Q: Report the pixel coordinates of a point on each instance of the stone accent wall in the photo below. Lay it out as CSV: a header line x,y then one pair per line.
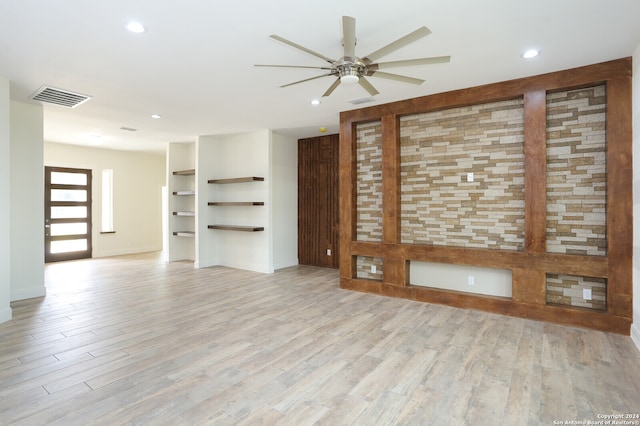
x,y
369,182
438,205
363,267
567,290
576,172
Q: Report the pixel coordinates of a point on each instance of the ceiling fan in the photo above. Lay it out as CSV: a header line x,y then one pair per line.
x,y
351,68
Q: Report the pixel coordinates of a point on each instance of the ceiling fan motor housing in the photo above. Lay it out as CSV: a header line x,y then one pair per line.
x,y
350,69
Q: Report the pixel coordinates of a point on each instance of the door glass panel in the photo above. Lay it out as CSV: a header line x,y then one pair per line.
x,y
64,178
60,212
68,195
68,229
68,245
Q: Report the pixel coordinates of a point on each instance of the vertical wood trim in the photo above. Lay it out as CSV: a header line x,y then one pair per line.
x,y
394,269
390,179
529,286
347,198
535,171
619,196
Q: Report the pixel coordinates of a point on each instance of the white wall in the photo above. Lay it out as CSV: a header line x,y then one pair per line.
x,y
5,155
487,281
232,156
27,202
284,177
635,327
138,179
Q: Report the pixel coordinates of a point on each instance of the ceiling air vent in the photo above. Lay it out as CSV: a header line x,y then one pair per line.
x,y
128,129
59,97
361,100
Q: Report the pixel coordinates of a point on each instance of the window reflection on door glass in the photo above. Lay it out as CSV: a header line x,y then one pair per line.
x,y
64,178
68,229
61,212
68,246
68,195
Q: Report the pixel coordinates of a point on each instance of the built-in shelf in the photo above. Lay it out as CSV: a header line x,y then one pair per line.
x,y
189,172
184,192
184,213
236,203
237,228
237,180
184,233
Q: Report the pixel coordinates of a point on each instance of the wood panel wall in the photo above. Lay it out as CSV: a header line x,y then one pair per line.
x,y
529,267
318,200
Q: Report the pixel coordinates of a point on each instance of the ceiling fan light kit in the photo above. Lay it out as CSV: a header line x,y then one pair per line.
x,y
352,69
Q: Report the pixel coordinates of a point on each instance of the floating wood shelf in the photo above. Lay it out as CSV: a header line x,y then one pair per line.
x,y
237,180
184,213
237,228
189,172
184,233
236,203
184,192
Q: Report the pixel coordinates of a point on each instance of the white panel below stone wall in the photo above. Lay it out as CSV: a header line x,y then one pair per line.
x,y
486,281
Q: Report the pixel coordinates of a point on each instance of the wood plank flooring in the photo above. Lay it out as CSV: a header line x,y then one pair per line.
x,y
135,340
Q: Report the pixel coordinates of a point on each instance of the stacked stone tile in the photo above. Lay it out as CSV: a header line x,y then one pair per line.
x,y
369,195
576,188
438,205
369,182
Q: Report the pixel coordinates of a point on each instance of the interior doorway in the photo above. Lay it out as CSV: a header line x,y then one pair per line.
x,y
67,214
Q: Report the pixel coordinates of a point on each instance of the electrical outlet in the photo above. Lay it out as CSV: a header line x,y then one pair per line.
x,y
470,177
328,252
586,293
373,269
472,280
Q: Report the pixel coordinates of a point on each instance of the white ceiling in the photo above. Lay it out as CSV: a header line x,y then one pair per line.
x,y
194,65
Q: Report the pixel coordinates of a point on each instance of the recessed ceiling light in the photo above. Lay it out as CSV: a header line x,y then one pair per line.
x,y
156,116
135,27
531,53
315,102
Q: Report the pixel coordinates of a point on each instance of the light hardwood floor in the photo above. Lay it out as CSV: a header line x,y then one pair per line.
x,y
135,340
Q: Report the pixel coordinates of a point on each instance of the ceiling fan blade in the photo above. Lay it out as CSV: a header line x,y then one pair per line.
x,y
349,36
304,49
367,86
291,66
396,77
410,62
332,88
401,42
306,79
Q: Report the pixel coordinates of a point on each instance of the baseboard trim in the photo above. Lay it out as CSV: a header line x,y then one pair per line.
x,y
28,293
5,315
635,333
285,264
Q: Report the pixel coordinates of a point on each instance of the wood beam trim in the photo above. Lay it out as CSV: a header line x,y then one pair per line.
x,y
619,196
347,208
390,179
581,265
535,165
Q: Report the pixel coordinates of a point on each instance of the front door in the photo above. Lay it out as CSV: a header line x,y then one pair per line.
x,y
67,214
